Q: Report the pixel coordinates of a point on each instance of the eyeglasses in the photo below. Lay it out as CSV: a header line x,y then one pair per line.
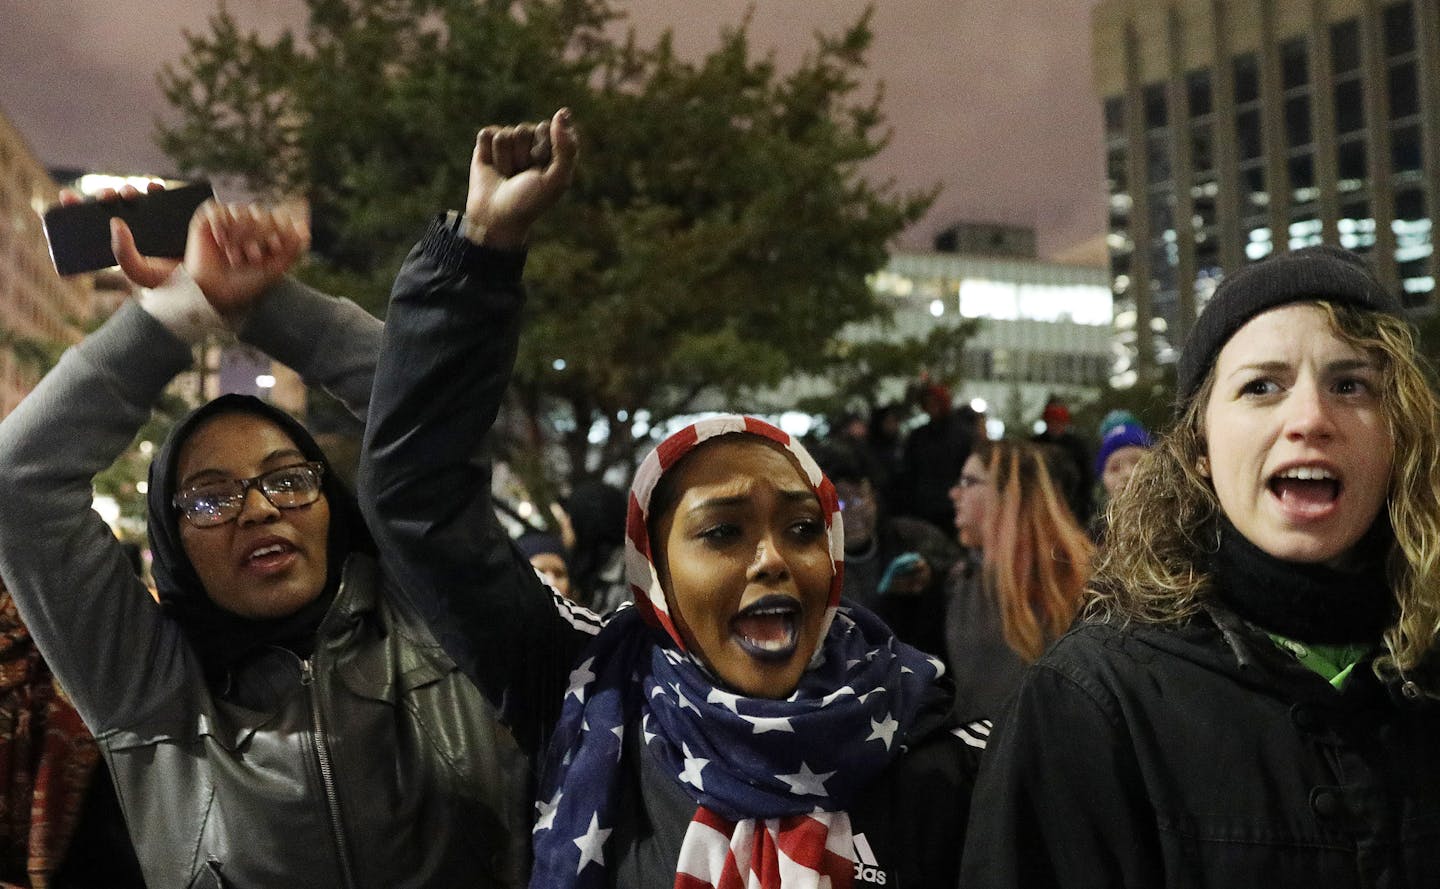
x,y
214,503
969,481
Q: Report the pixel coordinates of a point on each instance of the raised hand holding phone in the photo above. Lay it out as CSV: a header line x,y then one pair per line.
x,y
233,252
79,231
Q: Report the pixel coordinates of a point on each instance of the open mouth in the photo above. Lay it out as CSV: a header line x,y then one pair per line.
x,y
768,629
1306,490
270,556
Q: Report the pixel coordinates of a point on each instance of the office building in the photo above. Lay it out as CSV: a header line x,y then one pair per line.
x,y
40,312
1045,328
1236,128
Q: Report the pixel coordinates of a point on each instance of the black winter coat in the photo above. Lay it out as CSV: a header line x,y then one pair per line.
x,y
1204,756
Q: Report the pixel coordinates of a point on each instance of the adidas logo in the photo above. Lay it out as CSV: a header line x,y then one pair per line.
x,y
867,869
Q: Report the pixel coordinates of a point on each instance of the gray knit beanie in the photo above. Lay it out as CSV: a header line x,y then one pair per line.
x,y
1311,274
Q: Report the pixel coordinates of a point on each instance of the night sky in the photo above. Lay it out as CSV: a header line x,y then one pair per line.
x,y
991,98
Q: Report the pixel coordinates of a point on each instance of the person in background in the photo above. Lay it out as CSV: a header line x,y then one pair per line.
x,y
894,565
1080,479
885,443
546,553
1021,587
593,530
932,457
736,726
62,826
280,718
1122,443
1251,698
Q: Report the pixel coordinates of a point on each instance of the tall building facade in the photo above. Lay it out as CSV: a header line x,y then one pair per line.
x,y
38,309
1236,128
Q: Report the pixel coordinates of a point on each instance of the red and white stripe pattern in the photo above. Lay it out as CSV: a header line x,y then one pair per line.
x,y
800,852
639,562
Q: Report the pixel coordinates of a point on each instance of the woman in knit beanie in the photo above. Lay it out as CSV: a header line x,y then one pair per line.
x,y
1250,695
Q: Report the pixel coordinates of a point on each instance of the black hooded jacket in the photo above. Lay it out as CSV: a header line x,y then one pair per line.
x,y
219,637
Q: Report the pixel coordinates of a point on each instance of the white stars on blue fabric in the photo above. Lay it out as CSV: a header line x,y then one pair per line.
x,y
883,730
546,812
725,699
580,679
728,752
806,782
694,765
683,701
592,844
763,724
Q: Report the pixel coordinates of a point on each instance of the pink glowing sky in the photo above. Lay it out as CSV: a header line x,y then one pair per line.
x,y
991,98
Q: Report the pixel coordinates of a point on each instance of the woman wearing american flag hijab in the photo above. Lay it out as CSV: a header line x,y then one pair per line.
x,y
740,725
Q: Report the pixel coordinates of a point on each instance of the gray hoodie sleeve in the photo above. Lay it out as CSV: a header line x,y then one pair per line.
x,y
332,343
93,620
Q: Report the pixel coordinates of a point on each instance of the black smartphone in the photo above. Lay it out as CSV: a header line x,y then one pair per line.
x,y
79,234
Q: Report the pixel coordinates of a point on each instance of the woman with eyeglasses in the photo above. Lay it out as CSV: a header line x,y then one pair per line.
x,y
280,719
1021,589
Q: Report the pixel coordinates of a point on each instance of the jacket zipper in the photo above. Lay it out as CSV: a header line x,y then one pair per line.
x,y
327,774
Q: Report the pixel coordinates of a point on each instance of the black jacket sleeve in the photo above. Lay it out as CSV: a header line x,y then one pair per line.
x,y
449,347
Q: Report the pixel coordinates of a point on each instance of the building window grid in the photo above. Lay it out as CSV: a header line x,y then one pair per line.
x,y
1413,229
1117,158
1298,97
1256,241
1356,224
1164,245
1204,187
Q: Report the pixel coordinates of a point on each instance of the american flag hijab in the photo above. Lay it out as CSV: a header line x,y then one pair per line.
x,y
771,779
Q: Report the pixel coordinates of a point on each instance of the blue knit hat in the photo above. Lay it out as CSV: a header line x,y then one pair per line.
x,y
1129,434
1117,417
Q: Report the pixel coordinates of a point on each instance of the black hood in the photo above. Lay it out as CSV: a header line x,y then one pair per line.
x,y
220,637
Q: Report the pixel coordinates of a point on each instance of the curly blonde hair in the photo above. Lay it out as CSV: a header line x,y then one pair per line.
x,y
1037,557
1165,524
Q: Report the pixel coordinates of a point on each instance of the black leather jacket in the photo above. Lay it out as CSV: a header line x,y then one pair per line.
x,y
373,763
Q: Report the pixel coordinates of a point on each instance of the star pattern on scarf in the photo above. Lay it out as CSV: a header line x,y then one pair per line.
x,y
835,695
763,724
693,767
546,811
592,844
806,782
725,699
883,730
580,679
682,700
